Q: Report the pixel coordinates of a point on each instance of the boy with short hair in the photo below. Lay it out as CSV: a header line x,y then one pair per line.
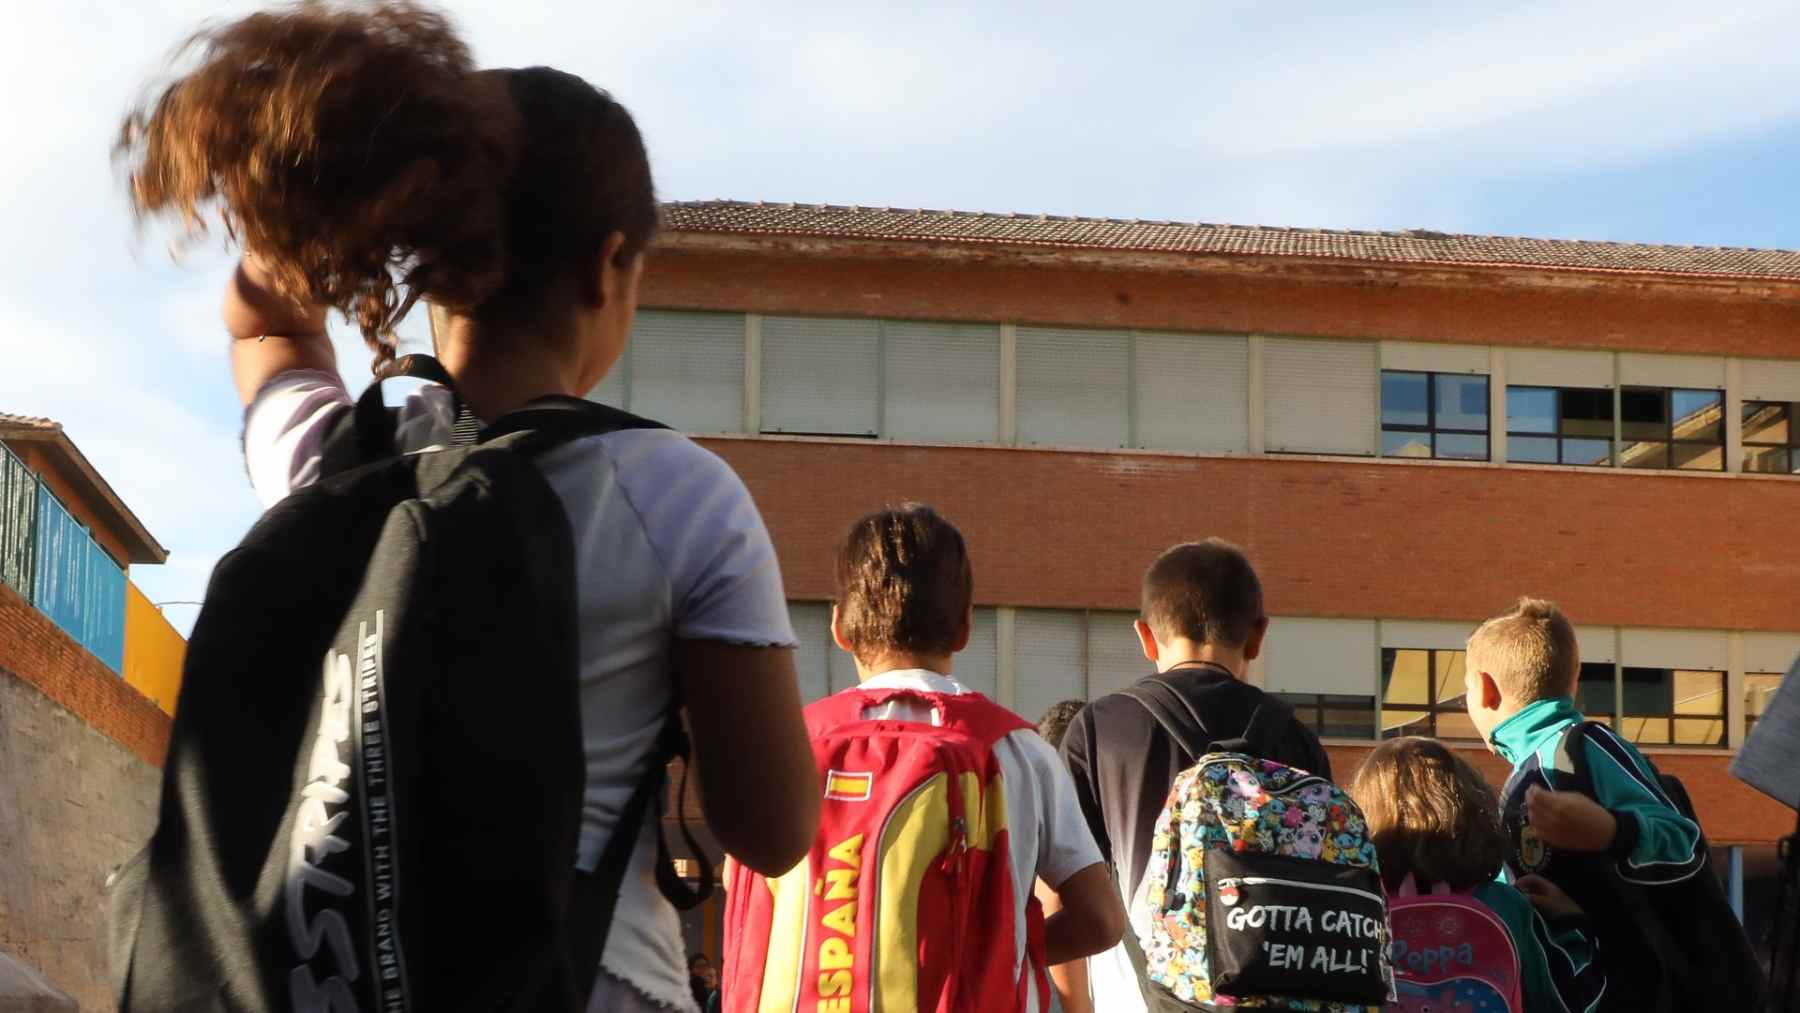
x,y
903,611
1201,623
1609,842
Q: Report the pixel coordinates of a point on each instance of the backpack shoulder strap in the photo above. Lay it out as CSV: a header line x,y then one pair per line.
x,y
596,895
1173,713
554,420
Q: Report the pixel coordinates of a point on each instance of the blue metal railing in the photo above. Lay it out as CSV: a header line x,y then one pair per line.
x,y
51,559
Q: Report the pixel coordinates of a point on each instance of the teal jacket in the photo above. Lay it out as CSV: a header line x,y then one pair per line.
x,y
1558,964
1654,844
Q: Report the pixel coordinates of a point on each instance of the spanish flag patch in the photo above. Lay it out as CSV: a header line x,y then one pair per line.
x,y
849,786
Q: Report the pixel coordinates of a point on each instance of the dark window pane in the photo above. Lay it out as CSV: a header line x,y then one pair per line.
x,y
1766,422
1593,452
1699,415
1530,410
1462,402
1462,447
1644,413
1587,413
1403,444
1594,691
1644,455
1649,690
1531,449
1357,722
1767,460
1698,456
1404,399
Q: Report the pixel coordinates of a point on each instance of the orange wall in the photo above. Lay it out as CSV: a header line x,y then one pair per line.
x,y
1568,309
153,651
1331,537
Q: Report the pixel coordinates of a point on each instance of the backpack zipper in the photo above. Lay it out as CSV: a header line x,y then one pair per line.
x,y
1274,881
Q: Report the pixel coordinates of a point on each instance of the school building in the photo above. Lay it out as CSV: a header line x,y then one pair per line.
x,y
1406,431
88,673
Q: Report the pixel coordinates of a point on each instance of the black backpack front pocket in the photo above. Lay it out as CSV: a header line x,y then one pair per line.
x,y
1294,927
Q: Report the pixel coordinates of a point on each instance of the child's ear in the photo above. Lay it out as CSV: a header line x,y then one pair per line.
x,y
837,635
1146,640
1490,693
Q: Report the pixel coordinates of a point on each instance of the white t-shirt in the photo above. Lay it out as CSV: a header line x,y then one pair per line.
x,y
1048,836
667,545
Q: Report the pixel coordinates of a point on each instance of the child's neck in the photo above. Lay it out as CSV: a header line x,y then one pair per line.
x,y
901,661
1183,651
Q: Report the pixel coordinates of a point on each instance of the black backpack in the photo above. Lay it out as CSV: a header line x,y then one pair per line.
x,y
374,782
1705,959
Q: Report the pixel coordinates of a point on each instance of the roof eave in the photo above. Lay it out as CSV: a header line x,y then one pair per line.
x,y
824,243
140,543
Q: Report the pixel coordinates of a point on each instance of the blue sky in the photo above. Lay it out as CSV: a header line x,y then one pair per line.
x,y
1639,121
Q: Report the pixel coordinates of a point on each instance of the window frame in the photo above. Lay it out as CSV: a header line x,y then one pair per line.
x,y
1673,715
1670,441
1310,709
1789,449
1750,716
1431,428
1556,433
1428,710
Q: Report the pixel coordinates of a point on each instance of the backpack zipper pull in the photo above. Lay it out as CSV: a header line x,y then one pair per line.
x,y
959,845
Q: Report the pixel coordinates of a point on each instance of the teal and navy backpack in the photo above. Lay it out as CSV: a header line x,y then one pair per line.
x,y
1264,892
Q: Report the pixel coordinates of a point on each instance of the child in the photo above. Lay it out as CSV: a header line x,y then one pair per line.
x,y
903,611
365,163
1617,844
1433,817
1201,623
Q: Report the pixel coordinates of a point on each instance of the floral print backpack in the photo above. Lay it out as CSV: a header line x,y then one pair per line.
x,y
1263,891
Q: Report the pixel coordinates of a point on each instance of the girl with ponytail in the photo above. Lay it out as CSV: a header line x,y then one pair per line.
x,y
363,164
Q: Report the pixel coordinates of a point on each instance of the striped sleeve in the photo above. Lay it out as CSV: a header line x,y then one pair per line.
x,y
1655,843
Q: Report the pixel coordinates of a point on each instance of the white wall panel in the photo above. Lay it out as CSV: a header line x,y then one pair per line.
x,y
1320,396
1673,649
1771,379
1639,369
1074,387
821,376
1429,357
687,370
1191,391
1321,656
1558,367
942,381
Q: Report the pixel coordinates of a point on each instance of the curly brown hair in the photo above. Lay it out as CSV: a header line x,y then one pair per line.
x,y
1430,813
904,583
356,149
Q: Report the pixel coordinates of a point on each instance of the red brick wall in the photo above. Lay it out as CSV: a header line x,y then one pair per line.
x,y
35,651
1252,296
1730,812
1355,538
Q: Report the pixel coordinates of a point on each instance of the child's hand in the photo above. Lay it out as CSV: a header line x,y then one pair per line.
x,y
1547,897
1569,819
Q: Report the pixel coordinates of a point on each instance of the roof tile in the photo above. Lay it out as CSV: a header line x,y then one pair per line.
x,y
1413,246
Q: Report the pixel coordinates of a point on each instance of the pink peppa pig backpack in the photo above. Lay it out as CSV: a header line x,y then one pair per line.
x,y
1451,953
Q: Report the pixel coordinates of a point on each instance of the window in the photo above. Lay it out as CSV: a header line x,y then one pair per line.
x,y
1759,690
1334,715
940,382
1320,397
1559,425
821,377
1770,438
1422,693
1072,655
1672,428
1434,415
823,669
682,369
1672,706
1594,692
1326,669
